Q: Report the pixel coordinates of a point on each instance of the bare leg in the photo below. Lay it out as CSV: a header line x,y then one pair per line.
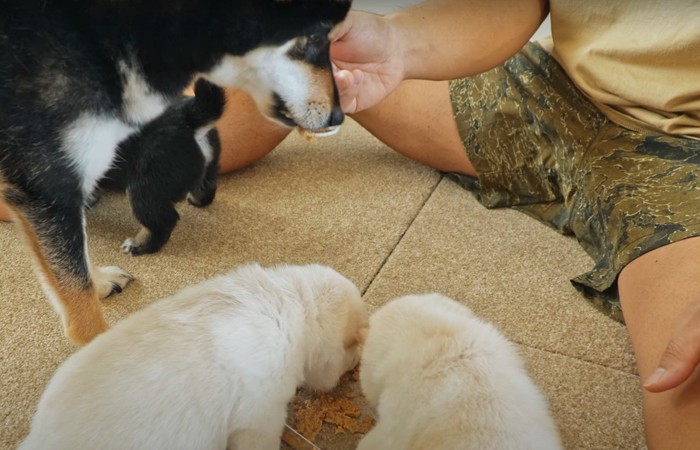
x,y
246,135
655,291
4,212
416,120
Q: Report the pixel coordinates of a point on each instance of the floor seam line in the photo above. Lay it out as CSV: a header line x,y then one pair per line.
x,y
553,352
403,233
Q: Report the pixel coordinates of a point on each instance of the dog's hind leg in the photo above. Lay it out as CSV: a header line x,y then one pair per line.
x,y
56,238
203,194
158,219
207,107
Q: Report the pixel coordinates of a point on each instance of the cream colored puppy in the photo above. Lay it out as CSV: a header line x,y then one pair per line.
x,y
442,379
212,366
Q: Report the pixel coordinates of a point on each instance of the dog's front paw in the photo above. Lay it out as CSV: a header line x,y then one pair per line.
x,y
110,280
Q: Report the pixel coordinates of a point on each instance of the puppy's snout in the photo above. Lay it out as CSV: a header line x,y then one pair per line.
x,y
337,117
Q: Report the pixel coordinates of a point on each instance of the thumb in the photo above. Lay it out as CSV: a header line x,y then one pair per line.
x,y
677,363
348,83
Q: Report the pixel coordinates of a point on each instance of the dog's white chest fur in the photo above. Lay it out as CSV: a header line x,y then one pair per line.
x,y
91,141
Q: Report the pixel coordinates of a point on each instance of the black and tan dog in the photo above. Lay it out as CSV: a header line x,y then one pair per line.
x,y
78,77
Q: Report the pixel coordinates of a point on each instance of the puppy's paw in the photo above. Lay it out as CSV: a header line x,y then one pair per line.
x,y
110,280
201,197
146,242
130,247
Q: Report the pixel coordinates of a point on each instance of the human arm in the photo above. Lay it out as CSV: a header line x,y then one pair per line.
x,y
435,40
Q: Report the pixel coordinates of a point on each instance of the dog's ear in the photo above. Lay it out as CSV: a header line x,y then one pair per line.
x,y
362,335
358,338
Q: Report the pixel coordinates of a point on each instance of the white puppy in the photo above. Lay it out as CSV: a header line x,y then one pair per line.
x,y
441,379
214,365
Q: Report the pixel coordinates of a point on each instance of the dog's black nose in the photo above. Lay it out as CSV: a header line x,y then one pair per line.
x,y
337,117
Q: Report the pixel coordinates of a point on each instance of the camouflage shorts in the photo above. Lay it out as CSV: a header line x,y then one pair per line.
x,y
541,147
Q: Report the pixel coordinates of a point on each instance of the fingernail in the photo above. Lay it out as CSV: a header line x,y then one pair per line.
x,y
655,377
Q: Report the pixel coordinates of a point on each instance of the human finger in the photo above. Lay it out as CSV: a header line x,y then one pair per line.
x,y
348,83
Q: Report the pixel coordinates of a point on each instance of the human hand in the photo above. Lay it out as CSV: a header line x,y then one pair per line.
x,y
682,354
367,55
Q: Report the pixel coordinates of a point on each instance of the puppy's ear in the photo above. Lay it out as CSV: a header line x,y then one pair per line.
x,y
362,334
356,339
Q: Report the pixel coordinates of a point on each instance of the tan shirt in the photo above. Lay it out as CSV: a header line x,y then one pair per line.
x,y
637,60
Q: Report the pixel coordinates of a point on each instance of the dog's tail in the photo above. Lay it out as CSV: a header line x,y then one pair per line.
x,y
208,104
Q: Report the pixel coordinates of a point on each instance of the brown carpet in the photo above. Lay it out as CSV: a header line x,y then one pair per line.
x,y
390,225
